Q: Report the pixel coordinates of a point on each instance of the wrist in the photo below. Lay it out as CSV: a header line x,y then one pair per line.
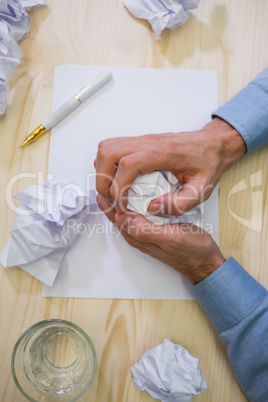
x,y
215,261
231,144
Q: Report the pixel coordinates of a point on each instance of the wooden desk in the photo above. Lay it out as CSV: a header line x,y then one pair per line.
x,y
228,36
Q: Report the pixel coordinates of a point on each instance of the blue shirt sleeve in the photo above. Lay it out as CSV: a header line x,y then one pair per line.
x,y
247,112
237,305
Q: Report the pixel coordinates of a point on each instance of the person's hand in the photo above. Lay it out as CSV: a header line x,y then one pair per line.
x,y
197,159
185,247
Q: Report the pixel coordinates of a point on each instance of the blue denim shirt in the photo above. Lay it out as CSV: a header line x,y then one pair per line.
x,y
237,304
247,112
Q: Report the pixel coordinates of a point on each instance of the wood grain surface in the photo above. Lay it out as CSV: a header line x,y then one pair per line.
x,y
227,36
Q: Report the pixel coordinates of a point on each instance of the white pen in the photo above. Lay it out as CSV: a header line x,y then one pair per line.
x,y
87,90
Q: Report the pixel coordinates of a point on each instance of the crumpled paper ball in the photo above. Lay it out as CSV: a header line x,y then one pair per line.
x,y
43,229
168,372
161,14
149,186
14,27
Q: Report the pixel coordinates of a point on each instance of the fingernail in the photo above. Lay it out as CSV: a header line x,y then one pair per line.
x,y
157,208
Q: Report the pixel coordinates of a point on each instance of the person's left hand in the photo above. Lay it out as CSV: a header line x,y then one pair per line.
x,y
187,248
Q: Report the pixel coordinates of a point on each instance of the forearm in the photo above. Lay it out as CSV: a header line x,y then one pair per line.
x,y
237,305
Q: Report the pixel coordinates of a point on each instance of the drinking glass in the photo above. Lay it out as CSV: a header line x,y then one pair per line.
x,y
53,360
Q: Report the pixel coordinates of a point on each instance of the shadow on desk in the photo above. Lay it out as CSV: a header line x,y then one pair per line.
x,y
194,34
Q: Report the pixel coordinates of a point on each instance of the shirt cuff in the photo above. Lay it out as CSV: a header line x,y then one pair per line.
x,y
247,112
229,294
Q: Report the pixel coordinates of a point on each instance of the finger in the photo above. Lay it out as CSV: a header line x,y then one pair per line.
x,y
112,156
167,237
148,138
194,193
107,161
131,166
110,213
112,141
140,228
106,207
146,248
149,248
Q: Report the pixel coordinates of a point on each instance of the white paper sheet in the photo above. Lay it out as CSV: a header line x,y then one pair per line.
x,y
137,101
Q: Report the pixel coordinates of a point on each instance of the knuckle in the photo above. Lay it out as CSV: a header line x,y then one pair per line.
x,y
103,153
102,144
126,163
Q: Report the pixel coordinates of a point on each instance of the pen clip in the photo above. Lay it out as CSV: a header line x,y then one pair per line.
x,y
88,83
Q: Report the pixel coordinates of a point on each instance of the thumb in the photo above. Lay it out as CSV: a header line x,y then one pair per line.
x,y
179,203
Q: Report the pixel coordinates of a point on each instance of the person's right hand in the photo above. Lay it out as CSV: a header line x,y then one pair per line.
x,y
197,159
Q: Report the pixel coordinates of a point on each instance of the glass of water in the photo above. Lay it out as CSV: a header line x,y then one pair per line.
x,y
53,360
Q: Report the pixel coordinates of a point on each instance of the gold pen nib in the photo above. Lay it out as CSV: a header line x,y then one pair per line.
x,y
26,141
34,135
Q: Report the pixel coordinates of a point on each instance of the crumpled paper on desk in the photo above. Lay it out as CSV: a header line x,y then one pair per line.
x,y
161,14
7,65
43,227
41,233
168,372
149,186
14,27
